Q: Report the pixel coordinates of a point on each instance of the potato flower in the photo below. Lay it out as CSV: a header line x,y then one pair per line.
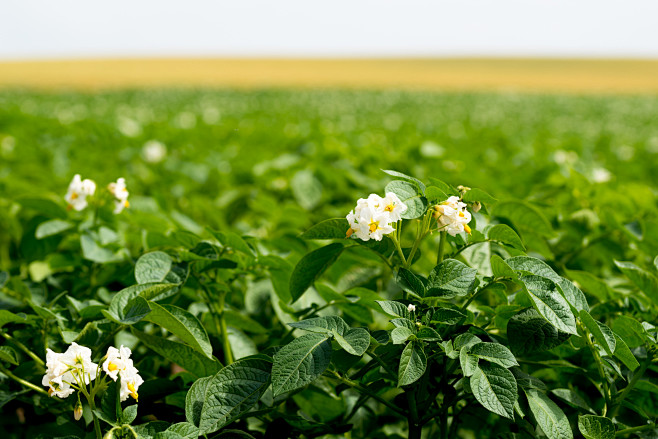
x,y
78,191
73,367
118,363
453,216
119,191
372,217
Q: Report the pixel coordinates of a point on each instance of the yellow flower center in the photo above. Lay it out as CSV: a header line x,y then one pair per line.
x,y
74,195
126,204
133,392
390,208
374,225
468,229
111,367
461,214
349,232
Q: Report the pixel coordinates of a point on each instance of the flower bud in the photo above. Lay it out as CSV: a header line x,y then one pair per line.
x,y
411,308
77,411
476,206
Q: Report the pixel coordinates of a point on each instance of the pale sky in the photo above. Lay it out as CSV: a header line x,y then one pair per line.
x,y
33,29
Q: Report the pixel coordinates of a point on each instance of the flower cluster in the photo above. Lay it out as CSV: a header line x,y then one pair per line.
x,y
120,193
118,363
73,370
453,216
78,191
372,217
69,371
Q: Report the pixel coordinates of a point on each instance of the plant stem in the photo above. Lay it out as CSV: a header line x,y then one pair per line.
x,y
23,382
442,246
97,426
415,428
24,348
226,343
599,365
636,377
398,248
358,386
634,429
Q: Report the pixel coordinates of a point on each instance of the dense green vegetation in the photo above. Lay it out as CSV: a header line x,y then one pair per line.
x,y
223,184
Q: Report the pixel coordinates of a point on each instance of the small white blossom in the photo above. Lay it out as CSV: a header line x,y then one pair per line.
x,y
118,363
78,191
71,367
372,217
411,308
154,151
453,216
120,192
601,175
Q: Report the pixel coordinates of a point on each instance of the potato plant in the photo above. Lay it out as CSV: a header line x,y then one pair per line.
x,y
422,313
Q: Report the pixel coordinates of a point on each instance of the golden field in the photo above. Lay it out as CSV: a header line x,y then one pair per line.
x,y
523,75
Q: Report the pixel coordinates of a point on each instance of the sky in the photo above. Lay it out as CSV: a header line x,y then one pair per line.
x,y
52,29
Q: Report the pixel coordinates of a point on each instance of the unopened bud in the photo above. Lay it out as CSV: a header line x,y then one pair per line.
x,y
463,189
411,307
437,207
77,411
476,206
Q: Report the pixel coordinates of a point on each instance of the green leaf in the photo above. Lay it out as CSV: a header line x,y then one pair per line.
x,y
179,353
476,194
52,227
410,283
602,334
401,334
447,316
9,355
466,339
233,392
435,194
405,323
92,251
195,399
306,189
630,330
573,399
505,235
152,267
45,206
311,267
495,388
185,430
525,217
121,432
495,353
572,293
235,242
596,427
354,341
534,266
444,187
393,308
549,416
411,195
10,317
624,354
413,363
119,310
183,325
528,332
590,283
500,268
548,301
428,334
468,363
645,281
134,311
129,414
300,362
334,228
397,174
451,278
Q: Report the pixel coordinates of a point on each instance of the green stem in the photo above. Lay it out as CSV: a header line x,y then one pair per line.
x,y
599,365
226,343
634,429
636,377
415,427
23,382
365,390
24,348
442,246
97,426
398,248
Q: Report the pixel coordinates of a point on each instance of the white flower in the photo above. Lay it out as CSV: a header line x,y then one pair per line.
x,y
78,192
372,217
411,307
72,367
120,192
154,151
118,363
130,382
601,175
453,216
